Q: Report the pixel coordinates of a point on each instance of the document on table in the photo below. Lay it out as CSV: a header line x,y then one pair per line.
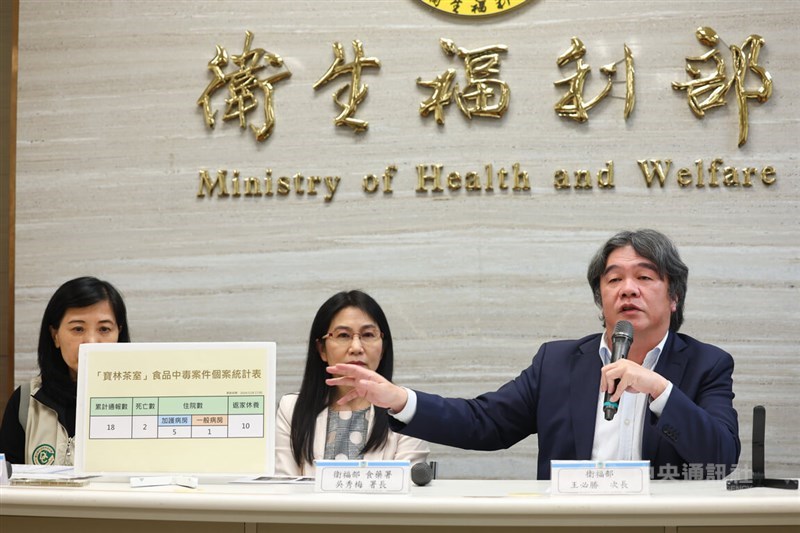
x,y
47,475
276,480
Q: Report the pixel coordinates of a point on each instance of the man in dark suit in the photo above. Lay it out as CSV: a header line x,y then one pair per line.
x,y
675,393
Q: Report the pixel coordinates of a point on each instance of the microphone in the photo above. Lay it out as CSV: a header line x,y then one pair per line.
x,y
423,473
622,338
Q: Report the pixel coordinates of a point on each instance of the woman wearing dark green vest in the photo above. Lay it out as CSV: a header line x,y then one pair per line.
x,y
39,423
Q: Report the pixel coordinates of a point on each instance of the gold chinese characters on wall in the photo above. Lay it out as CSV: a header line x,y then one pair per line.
x,y
484,95
251,76
241,85
572,105
708,91
357,92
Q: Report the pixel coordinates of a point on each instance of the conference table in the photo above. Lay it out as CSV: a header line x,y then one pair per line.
x,y
443,506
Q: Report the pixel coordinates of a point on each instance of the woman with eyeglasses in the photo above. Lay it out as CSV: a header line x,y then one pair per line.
x,y
39,423
349,328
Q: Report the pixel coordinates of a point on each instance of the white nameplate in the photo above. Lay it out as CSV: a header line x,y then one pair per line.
x,y
598,477
375,477
160,481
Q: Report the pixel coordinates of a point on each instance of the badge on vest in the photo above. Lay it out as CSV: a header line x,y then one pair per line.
x,y
44,454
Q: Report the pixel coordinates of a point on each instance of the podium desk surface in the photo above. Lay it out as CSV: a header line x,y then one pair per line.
x,y
671,504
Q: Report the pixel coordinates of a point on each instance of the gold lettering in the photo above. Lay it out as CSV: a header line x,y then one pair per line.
x,y
747,173
284,185
654,167
521,181
298,184
423,178
684,177
331,183
235,183
766,173
605,176
472,181
268,183
206,185
370,184
489,178
700,176
731,177
582,179
252,186
501,178
388,174
454,181
561,179
712,170
312,185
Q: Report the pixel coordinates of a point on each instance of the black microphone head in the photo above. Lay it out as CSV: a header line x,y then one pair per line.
x,y
421,474
623,329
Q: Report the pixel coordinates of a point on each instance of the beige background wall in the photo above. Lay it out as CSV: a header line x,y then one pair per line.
x,y
110,144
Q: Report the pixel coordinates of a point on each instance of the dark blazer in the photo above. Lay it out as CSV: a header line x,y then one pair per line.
x,y
556,398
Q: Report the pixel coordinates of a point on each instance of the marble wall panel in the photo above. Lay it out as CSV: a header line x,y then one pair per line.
x,y
111,143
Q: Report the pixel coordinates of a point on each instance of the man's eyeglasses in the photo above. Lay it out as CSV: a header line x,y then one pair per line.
x,y
344,337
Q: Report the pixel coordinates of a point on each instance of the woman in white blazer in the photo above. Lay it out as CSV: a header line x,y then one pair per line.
x,y
349,328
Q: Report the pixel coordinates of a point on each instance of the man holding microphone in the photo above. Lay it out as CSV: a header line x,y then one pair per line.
x,y
670,401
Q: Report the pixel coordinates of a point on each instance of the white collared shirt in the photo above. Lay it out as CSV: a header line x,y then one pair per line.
x,y
621,438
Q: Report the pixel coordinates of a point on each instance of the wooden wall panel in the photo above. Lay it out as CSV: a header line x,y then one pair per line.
x,y
8,123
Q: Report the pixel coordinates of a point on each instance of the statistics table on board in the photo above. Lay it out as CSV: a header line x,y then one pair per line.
x,y
176,417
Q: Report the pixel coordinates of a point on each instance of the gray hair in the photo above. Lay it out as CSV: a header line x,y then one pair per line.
x,y
655,247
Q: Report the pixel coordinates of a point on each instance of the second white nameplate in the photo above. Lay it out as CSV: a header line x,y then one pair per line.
x,y
598,477
375,477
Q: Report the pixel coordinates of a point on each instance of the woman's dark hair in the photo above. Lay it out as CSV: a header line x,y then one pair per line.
x,y
655,247
315,395
78,292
